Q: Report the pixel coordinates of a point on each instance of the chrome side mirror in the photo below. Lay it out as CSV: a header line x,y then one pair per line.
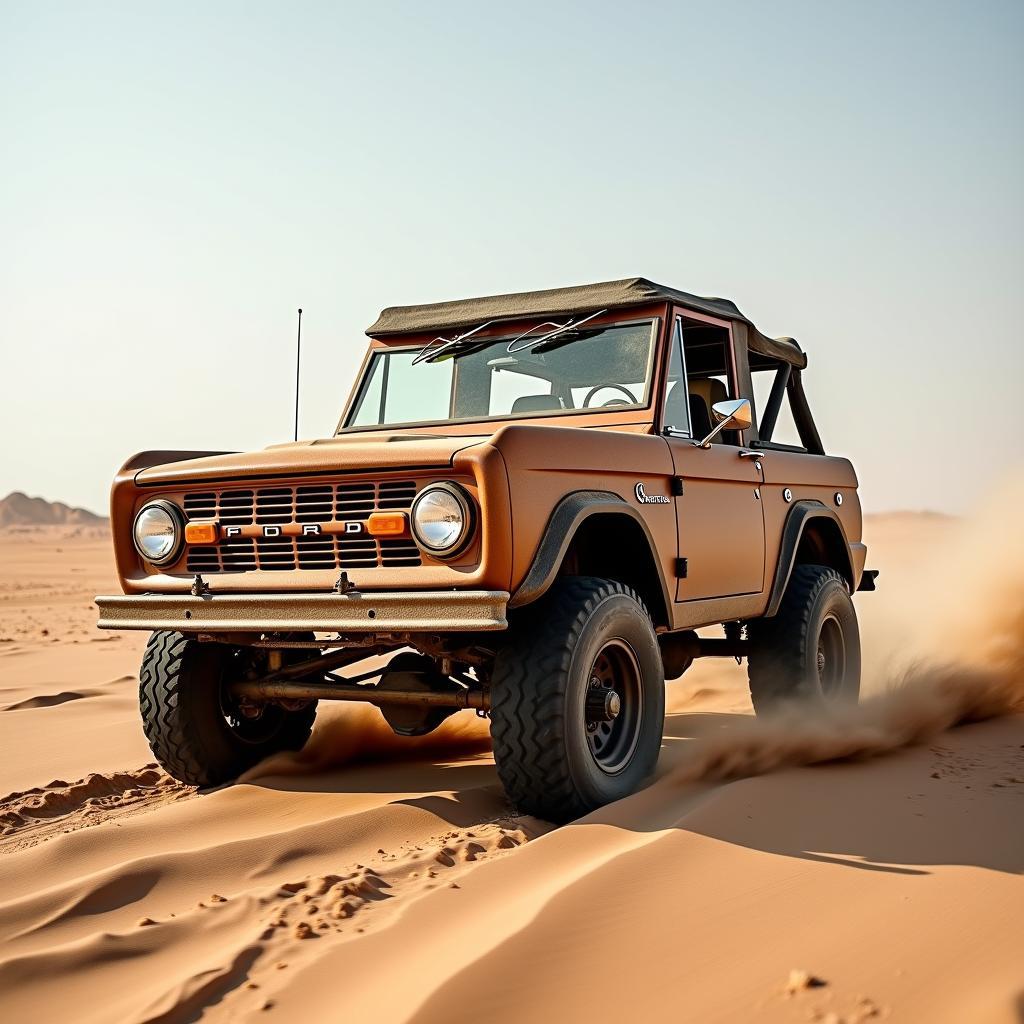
x,y
732,415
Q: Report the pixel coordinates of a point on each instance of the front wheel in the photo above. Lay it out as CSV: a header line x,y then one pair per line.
x,y
809,652
578,700
197,732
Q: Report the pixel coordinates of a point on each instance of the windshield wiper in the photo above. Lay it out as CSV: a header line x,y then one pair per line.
x,y
561,335
433,351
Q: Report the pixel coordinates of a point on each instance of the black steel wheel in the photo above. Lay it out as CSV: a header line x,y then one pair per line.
x,y
613,708
577,700
198,732
830,657
810,651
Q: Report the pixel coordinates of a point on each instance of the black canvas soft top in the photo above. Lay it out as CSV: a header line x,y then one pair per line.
x,y
578,299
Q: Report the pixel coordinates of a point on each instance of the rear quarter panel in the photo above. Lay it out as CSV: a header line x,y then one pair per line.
x,y
814,478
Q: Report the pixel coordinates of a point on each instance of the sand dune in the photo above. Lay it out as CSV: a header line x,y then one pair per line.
x,y
876,853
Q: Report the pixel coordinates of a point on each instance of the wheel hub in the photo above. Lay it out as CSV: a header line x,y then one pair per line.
x,y
250,709
821,662
602,705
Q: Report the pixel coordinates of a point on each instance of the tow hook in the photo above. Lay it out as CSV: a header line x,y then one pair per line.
x,y
344,585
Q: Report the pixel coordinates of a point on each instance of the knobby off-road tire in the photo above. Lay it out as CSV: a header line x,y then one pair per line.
x,y
810,651
188,720
558,754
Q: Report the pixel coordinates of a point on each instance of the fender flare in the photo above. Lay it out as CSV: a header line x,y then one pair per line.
x,y
566,519
803,513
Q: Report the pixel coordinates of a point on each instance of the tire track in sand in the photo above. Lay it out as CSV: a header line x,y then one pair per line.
x,y
32,816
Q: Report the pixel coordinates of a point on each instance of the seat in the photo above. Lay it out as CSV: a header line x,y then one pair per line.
x,y
700,418
536,403
707,392
710,390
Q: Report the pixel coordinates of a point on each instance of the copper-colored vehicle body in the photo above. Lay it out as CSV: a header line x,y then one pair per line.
x,y
315,537
728,522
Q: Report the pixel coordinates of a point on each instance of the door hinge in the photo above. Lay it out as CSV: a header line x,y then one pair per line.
x,y
677,486
681,568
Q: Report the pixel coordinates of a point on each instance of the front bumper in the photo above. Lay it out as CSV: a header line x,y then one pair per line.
x,y
413,611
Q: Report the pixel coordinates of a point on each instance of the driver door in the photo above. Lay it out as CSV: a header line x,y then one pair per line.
x,y
719,522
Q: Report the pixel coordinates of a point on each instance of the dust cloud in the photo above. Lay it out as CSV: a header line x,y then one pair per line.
x,y
348,734
967,643
926,702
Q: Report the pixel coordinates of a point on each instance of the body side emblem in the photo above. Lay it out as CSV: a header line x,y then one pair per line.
x,y
649,499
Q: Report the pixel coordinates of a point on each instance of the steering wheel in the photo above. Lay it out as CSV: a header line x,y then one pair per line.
x,y
629,400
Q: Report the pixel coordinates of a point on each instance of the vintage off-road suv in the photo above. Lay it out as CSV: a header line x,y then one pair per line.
x,y
531,504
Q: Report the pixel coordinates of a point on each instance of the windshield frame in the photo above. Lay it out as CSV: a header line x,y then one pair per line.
x,y
507,332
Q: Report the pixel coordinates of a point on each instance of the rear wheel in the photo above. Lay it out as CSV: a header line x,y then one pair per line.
x,y
578,700
197,731
809,651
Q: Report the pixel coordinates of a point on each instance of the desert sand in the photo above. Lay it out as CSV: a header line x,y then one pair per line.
x,y
373,878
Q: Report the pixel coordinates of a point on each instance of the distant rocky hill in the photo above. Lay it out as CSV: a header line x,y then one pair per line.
x,y
19,509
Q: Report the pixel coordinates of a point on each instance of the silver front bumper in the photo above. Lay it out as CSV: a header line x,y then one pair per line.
x,y
414,611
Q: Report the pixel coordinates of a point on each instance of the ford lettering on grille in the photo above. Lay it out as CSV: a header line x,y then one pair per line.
x,y
302,525
295,529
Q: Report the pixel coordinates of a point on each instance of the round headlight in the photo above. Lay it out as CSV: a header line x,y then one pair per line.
x,y
158,532
442,518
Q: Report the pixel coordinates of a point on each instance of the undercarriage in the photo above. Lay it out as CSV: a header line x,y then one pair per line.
x,y
425,680
428,677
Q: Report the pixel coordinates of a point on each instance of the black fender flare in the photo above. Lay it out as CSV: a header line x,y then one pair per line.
x,y
801,514
565,520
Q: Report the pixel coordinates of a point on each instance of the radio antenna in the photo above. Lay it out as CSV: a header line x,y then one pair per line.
x,y
298,363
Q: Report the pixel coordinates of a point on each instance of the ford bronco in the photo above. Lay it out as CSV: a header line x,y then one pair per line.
x,y
531,504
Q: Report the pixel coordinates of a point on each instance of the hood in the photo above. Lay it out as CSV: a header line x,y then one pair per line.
x,y
334,454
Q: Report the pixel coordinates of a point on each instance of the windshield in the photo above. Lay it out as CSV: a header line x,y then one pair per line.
x,y
603,368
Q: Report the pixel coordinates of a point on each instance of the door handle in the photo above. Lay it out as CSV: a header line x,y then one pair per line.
x,y
751,455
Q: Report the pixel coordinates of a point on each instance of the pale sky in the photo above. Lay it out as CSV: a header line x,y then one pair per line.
x,y
175,179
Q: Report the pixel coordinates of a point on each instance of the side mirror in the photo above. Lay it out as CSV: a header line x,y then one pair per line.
x,y
732,415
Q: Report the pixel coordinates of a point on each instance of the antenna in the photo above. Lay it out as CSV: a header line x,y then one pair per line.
x,y
298,363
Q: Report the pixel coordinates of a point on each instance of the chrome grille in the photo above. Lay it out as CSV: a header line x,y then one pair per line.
x,y
305,503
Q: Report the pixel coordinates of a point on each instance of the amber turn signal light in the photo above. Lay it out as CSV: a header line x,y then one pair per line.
x,y
201,533
386,524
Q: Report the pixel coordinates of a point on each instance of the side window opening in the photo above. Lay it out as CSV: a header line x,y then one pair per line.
x,y
772,407
708,363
